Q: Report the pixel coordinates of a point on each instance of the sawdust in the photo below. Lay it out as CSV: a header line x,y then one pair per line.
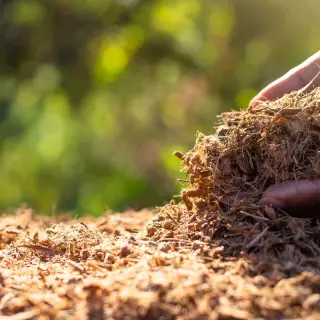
x,y
219,254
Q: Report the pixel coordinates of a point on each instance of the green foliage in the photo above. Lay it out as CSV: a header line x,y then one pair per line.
x,y
96,95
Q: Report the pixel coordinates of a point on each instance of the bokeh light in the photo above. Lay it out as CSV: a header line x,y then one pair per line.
x,y
96,95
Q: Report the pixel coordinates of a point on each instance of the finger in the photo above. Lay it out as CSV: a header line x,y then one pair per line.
x,y
293,193
294,80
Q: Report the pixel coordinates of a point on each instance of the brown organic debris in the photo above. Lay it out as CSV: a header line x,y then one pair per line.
x,y
252,150
219,254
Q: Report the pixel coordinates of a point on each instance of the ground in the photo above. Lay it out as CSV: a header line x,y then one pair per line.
x,y
106,268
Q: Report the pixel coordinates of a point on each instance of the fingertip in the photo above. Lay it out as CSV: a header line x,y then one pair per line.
x,y
256,101
271,201
253,103
275,195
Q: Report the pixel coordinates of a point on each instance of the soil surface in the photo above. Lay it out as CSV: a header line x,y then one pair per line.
x,y
107,269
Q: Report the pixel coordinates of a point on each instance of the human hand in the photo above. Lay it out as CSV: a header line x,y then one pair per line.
x,y
307,74
300,193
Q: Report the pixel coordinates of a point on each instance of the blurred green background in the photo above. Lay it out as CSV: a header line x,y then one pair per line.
x,y
96,95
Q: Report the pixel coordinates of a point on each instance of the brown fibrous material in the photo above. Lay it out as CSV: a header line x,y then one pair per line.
x,y
219,254
229,171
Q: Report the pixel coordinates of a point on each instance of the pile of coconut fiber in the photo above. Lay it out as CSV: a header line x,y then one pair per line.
x,y
274,143
228,172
